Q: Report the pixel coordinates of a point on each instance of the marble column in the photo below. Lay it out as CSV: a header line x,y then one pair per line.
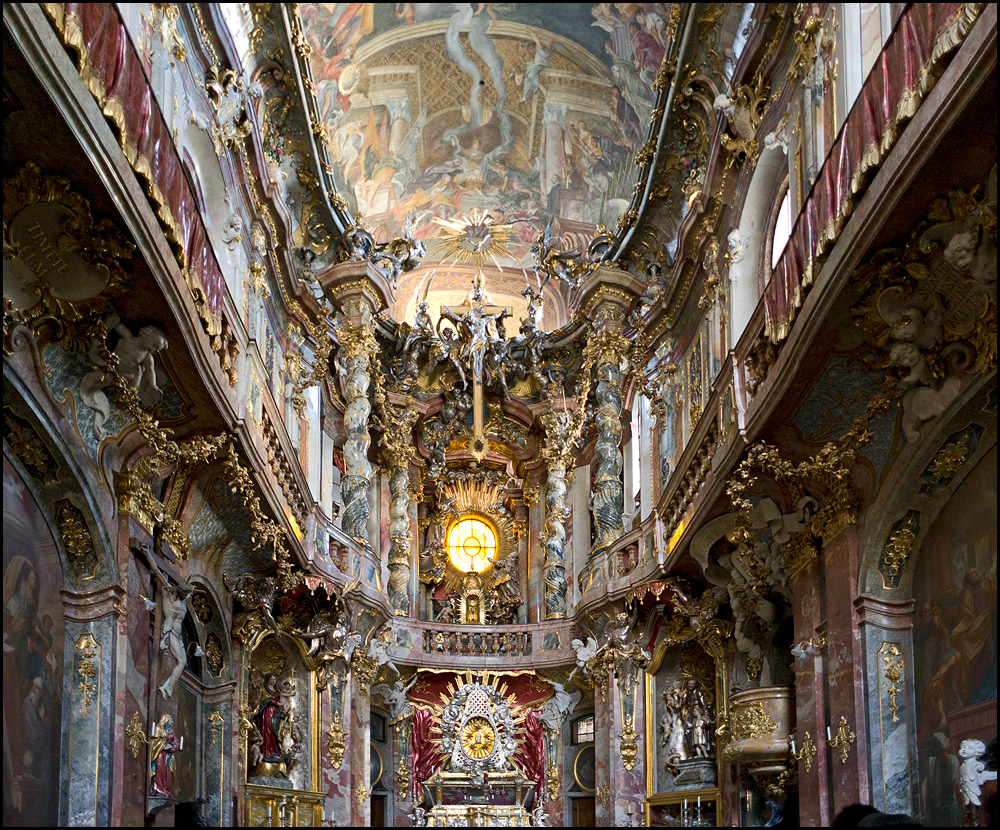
x,y
85,796
608,504
216,752
397,453
810,698
554,535
359,290
844,669
399,775
336,775
886,629
359,734
357,348
618,787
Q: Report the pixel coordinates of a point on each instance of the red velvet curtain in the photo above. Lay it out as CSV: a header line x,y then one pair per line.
x,y
115,75
425,759
891,94
530,756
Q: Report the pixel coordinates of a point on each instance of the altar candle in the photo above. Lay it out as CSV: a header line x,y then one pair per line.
x,y
699,802
182,742
685,803
792,741
828,733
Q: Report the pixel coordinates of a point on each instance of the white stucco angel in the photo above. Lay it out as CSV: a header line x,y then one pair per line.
x,y
972,774
558,707
378,650
135,366
395,696
584,651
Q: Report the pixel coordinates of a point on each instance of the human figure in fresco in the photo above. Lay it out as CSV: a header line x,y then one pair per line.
x,y
972,635
268,718
937,789
162,747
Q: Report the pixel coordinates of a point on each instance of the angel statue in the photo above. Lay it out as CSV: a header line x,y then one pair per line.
x,y
558,707
584,653
378,650
135,366
256,597
395,696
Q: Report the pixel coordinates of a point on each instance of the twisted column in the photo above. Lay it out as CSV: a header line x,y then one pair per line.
x,y
554,540
608,499
357,347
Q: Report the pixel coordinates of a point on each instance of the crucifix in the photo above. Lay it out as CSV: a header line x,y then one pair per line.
x,y
473,320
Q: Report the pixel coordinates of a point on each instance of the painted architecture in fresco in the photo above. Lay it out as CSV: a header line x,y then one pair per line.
x,y
509,414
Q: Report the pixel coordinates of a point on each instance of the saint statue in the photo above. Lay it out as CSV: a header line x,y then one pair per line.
x,y
268,718
162,747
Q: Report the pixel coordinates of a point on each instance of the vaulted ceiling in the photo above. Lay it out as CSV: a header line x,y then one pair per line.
x,y
485,114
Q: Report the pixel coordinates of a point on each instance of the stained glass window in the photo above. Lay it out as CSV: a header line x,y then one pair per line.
x,y
472,545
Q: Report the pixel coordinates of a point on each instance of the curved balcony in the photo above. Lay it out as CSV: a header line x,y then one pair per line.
x,y
530,645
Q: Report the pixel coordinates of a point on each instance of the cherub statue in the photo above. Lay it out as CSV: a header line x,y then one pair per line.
x,y
135,366
972,774
378,650
584,652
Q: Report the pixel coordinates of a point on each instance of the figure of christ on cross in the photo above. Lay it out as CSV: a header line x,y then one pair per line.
x,y
473,323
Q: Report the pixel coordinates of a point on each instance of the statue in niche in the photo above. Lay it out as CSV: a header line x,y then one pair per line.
x,y
268,718
672,727
162,747
507,588
135,366
472,610
697,720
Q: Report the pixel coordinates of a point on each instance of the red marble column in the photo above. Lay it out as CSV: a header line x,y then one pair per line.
x,y
336,782
359,754
617,788
844,670
810,693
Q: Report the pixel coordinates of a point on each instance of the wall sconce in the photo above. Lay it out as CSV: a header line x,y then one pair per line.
x,y
198,651
806,754
810,647
842,743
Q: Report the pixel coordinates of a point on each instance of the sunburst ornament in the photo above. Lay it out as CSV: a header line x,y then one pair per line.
x,y
477,238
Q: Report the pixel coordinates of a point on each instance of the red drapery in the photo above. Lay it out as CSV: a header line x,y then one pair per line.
x,y
891,95
425,759
530,756
114,74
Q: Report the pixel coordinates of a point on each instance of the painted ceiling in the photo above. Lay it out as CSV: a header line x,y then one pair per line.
x,y
529,113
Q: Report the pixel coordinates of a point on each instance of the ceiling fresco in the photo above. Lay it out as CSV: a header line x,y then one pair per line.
x,y
528,113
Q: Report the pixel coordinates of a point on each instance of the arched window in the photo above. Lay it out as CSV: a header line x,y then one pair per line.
x,y
472,544
782,228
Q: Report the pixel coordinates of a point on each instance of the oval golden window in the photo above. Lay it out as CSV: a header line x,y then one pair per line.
x,y
472,544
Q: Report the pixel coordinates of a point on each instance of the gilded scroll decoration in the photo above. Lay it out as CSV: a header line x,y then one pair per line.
x,y
88,650
898,548
893,668
74,534
750,721
842,740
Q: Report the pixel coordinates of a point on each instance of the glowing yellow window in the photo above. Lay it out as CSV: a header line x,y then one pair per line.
x,y
472,545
